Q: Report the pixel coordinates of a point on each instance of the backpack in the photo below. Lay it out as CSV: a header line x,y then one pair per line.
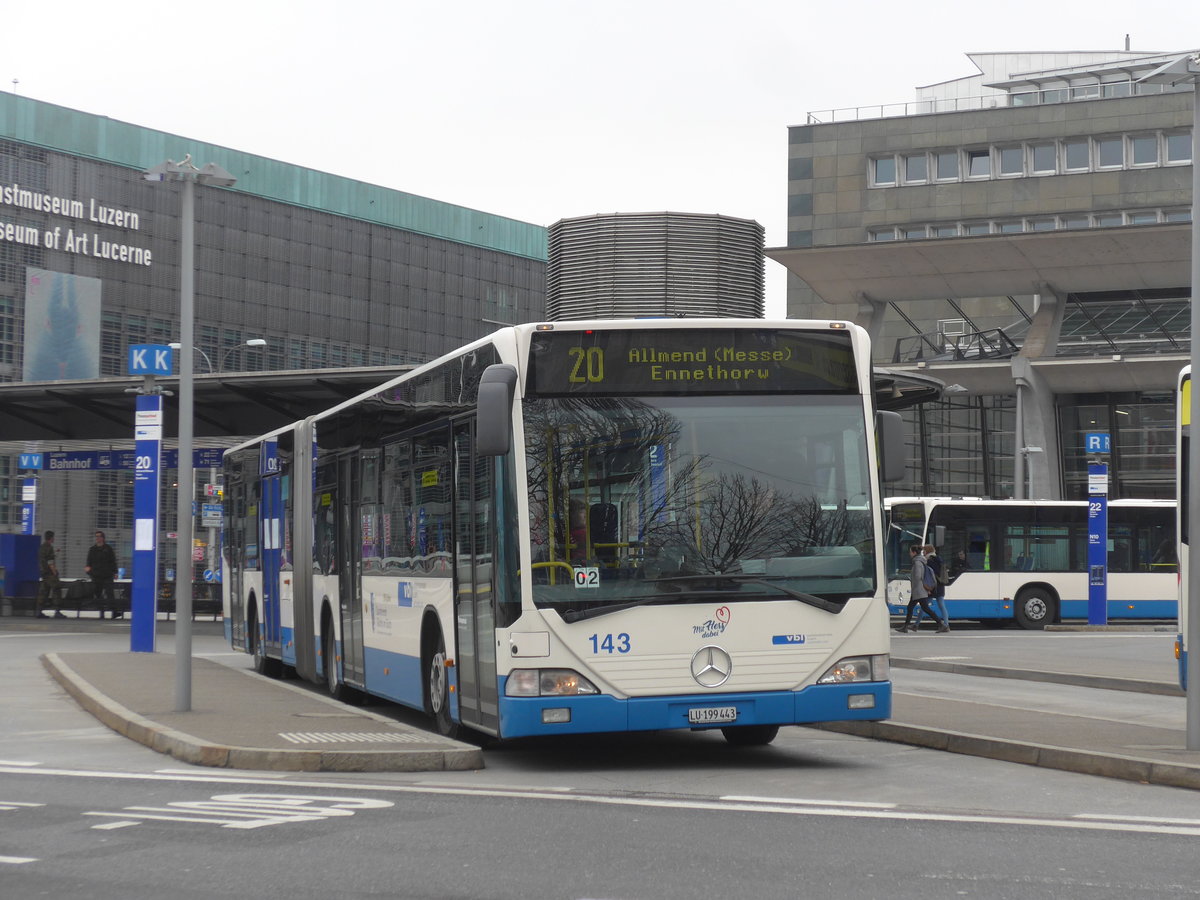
x,y
930,579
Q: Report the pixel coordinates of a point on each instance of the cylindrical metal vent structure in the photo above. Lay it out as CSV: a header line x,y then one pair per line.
x,y
626,265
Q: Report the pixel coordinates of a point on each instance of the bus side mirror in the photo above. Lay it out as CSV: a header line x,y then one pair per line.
x,y
939,536
493,410
889,431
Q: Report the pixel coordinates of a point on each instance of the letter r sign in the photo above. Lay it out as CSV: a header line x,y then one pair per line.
x,y
151,359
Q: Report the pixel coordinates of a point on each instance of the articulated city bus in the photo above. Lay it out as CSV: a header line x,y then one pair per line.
x,y
1026,560
583,527
1183,428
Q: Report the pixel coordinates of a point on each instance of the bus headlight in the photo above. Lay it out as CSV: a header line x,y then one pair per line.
x,y
547,683
857,668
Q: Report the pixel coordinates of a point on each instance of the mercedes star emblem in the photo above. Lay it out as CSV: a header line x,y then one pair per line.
x,y
711,666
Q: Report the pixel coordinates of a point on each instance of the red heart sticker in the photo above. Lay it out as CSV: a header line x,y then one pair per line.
x,y
723,614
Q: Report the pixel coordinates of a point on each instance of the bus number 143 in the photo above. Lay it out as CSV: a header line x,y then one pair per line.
x,y
610,643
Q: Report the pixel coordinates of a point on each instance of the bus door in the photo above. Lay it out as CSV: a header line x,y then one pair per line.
x,y
272,520
349,568
474,592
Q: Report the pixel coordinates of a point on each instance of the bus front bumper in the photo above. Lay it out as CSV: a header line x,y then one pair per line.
x,y
528,716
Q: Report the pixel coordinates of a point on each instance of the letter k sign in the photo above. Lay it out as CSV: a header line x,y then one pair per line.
x,y
150,359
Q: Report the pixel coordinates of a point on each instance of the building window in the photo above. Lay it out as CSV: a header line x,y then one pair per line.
x,y
1042,224
1177,215
1143,218
1075,156
945,230
979,163
977,228
1143,150
1011,161
1110,153
913,233
947,166
1012,227
1043,158
884,170
1076,221
1179,148
881,234
916,169
1109,220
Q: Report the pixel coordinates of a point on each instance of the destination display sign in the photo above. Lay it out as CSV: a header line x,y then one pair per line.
x,y
691,361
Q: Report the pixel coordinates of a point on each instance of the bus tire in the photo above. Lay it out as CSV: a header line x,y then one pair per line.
x,y
337,690
1034,609
263,664
750,735
437,689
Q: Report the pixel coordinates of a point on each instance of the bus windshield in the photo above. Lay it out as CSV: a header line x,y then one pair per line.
x,y
650,500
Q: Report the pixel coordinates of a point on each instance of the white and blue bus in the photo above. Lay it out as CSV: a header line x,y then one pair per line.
x,y
582,527
1026,560
1183,429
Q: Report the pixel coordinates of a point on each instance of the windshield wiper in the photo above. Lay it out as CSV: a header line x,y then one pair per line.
x,y
742,578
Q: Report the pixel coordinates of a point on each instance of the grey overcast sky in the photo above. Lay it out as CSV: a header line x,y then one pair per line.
x,y
538,109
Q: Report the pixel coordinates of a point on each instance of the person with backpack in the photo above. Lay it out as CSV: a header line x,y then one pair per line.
x,y
921,582
938,595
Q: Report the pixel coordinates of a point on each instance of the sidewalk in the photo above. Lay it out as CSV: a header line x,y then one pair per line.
x,y
1095,739
242,720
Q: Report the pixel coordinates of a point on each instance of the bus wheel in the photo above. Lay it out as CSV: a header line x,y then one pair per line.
x,y
263,664
750,735
437,691
1034,609
337,690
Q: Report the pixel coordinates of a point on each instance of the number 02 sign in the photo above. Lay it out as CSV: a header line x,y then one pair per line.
x,y
587,577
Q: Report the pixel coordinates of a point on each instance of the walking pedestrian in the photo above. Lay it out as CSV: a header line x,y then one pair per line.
x,y
935,564
51,585
918,589
102,567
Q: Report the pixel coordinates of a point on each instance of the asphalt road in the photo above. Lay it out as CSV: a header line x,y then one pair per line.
x,y
86,813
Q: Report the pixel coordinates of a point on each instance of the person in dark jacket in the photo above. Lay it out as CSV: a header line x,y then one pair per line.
x,y
102,567
938,597
918,592
51,585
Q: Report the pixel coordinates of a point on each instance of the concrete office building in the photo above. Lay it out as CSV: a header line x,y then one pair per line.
x,y
327,271
625,265
1023,235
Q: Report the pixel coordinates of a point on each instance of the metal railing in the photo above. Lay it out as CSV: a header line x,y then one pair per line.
x,y
937,346
932,105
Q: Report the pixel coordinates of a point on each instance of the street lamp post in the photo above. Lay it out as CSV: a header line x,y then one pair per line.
x,y
1183,69
253,342
189,176
220,367
1026,452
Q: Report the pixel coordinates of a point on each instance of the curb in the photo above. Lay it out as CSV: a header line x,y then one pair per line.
x,y
1103,682
1128,768
194,750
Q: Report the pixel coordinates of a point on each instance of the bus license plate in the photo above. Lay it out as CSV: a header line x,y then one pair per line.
x,y
708,715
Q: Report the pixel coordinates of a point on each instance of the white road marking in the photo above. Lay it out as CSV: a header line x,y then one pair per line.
x,y
245,811
17,860
247,773
1159,820
846,803
17,762
16,804
109,826
1079,822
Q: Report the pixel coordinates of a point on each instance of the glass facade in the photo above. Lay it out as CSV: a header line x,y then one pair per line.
x,y
322,289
